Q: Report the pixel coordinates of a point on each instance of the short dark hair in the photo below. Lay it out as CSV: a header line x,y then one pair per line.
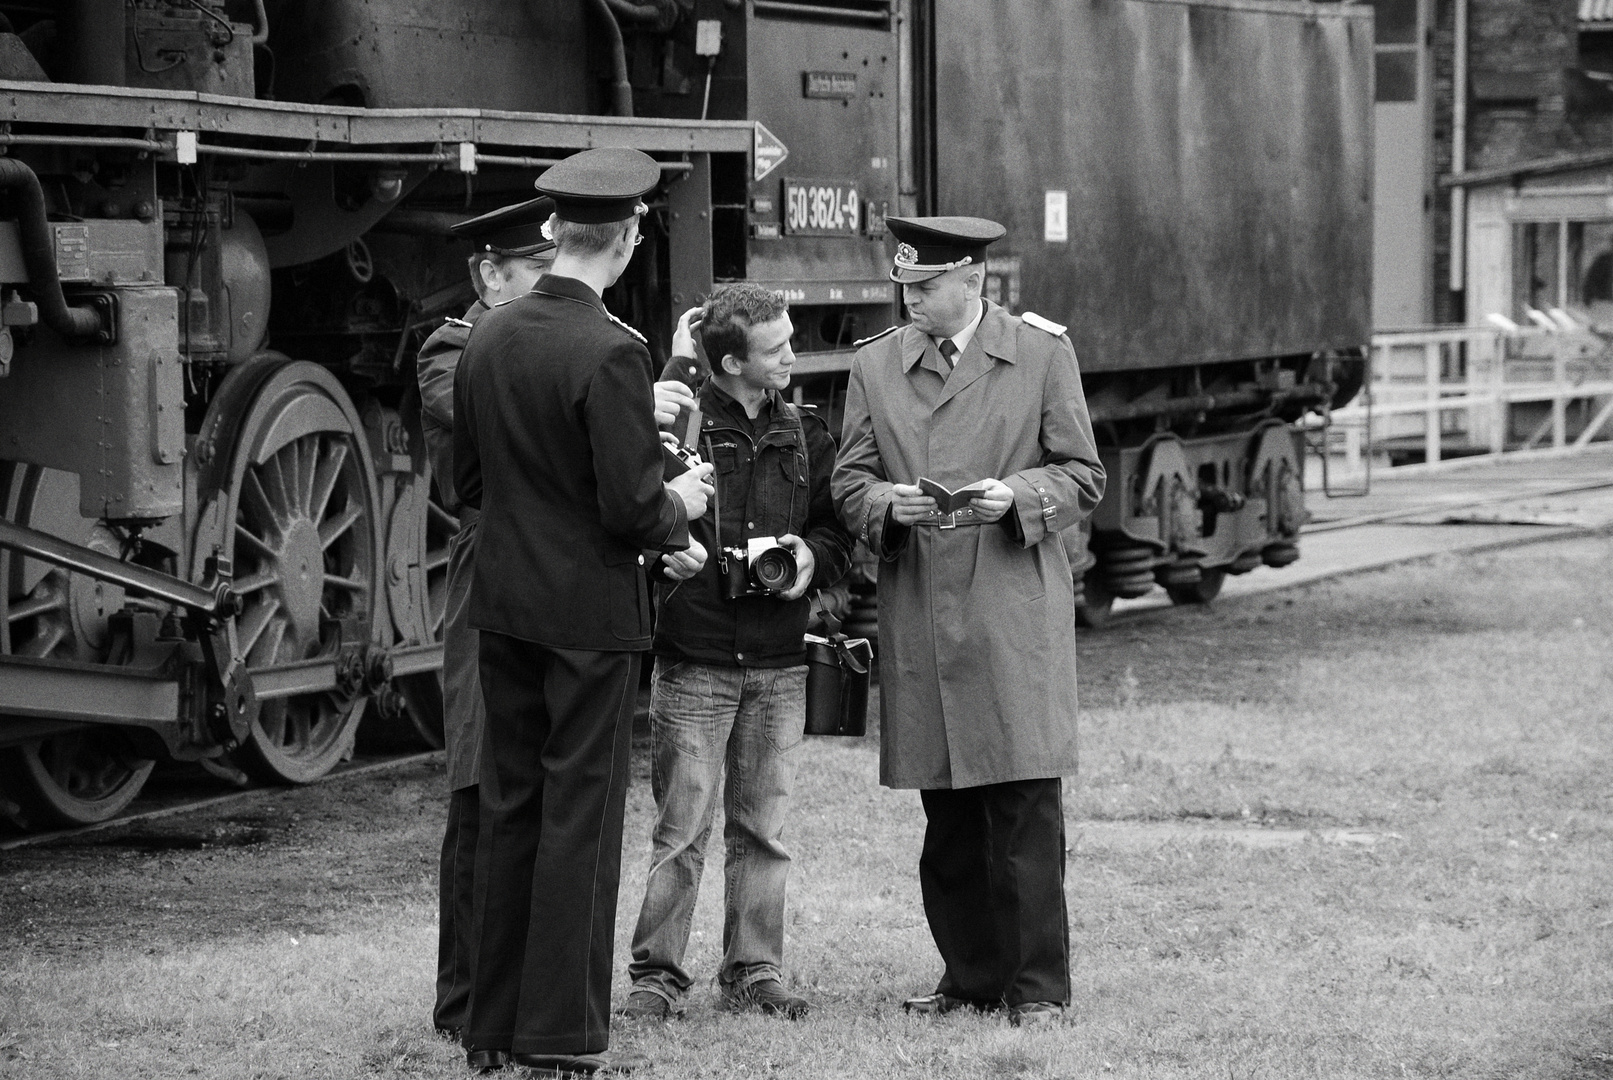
x,y
729,315
581,239
501,261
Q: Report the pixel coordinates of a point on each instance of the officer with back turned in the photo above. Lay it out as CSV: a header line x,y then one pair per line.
x,y
555,441
510,254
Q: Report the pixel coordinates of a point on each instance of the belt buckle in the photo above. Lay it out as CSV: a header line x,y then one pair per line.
x,y
948,521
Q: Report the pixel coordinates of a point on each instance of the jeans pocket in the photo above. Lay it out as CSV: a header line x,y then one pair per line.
x,y
786,714
681,712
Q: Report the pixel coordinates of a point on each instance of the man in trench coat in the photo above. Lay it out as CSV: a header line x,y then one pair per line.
x,y
977,616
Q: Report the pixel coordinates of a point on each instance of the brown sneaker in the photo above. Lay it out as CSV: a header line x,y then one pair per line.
x,y
645,1005
768,996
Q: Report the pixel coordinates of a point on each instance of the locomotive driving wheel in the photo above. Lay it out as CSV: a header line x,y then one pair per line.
x,y
295,514
87,775
422,694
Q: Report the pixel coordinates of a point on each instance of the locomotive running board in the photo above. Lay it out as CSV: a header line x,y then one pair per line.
x,y
69,690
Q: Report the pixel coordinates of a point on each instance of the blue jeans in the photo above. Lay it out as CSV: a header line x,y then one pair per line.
x,y
701,717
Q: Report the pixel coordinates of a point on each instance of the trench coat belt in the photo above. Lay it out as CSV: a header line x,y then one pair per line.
x,y
965,516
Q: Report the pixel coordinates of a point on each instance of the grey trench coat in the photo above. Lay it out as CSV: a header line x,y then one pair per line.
x,y
977,622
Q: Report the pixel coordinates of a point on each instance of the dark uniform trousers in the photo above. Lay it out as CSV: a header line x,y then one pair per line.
x,y
456,906
992,875
456,879
553,797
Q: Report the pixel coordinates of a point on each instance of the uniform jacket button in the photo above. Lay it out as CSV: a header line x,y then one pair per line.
x,y
641,560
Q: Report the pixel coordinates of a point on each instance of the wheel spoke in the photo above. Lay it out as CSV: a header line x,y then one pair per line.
x,y
308,453
258,580
349,584
297,727
45,644
282,485
436,515
330,469
438,617
272,639
256,504
436,560
38,605
252,540
254,622
332,530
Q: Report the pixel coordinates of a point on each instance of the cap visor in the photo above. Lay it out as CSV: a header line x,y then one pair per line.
x,y
529,249
908,277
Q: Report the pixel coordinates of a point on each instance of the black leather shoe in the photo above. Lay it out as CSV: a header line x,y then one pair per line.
x,y
487,1060
1035,1013
604,1063
939,1004
768,996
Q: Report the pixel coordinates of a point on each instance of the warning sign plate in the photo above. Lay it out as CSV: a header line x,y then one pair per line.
x,y
769,153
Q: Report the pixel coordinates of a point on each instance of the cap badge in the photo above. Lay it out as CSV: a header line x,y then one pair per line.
x,y
907,253
548,233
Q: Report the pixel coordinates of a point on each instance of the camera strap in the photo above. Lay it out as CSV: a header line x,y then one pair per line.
x,y
716,510
837,641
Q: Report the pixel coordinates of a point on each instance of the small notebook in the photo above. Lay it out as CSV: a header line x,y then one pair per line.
x,y
950,501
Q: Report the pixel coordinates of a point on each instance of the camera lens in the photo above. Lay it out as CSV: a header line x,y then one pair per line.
x,y
774,569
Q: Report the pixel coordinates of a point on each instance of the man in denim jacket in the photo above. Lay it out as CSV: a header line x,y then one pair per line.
x,y
730,670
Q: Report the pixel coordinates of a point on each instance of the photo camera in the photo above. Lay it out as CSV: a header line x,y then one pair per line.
x,y
762,567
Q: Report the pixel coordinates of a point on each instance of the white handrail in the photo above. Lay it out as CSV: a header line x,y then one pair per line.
x,y
1464,383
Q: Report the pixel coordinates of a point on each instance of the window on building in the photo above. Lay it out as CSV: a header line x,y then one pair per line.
x,y
1596,35
1590,268
1567,264
1395,49
1537,257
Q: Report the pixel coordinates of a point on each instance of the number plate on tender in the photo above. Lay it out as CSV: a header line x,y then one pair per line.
x,y
821,208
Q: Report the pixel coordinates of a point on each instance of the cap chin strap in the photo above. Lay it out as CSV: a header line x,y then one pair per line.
x,y
939,268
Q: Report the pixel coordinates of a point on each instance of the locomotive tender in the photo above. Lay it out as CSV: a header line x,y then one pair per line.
x,y
223,236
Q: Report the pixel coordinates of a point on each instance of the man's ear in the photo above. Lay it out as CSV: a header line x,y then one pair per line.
x,y
491,278
732,364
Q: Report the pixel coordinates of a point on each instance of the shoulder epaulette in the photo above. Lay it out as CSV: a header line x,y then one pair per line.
x,y
451,321
1047,325
876,337
641,338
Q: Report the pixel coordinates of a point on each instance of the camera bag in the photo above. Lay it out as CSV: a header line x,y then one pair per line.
x,y
837,680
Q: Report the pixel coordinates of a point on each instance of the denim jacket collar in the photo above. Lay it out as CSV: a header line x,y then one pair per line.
x,y
778,424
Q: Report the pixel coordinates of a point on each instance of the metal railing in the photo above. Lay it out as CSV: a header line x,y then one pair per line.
x,y
1448,395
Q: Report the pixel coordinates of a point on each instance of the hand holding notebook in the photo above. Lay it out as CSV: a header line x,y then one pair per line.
x,y
948,502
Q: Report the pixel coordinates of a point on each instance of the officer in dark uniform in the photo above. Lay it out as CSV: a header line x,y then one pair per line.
x,y
555,441
511,253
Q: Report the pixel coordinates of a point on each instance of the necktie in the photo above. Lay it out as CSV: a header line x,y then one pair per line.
x,y
949,350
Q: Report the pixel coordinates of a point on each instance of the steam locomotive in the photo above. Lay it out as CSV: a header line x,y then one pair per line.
x,y
224,235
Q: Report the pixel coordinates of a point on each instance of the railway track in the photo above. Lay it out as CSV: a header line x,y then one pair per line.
x,y
143,810
1371,540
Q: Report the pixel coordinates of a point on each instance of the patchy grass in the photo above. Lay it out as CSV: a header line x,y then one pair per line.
x,y
1457,712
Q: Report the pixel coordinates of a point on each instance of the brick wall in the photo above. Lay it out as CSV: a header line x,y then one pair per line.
x,y
1526,101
